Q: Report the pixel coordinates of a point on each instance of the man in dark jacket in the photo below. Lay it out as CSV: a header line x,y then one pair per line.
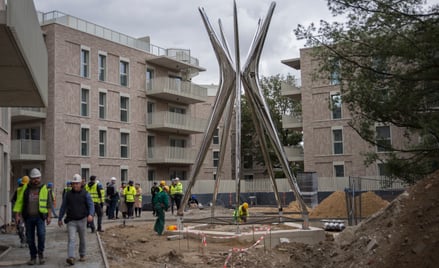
x,y
79,207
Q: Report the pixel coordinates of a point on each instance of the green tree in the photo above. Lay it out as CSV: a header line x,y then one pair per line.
x,y
278,105
386,59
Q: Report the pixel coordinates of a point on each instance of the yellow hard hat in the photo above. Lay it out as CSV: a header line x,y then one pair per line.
x,y
25,180
166,188
245,205
162,183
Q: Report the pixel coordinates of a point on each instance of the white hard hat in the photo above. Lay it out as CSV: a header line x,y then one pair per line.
x,y
35,173
77,178
177,178
113,179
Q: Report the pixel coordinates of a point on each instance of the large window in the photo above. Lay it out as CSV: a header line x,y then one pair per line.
x,y
149,79
124,108
124,75
151,175
124,144
383,139
85,132
215,139
102,62
337,136
339,170
85,61
336,105
102,105
84,101
215,157
102,143
85,173
31,133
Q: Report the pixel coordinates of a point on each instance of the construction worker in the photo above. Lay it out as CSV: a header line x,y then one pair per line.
x,y
79,209
95,191
112,197
176,192
20,225
52,195
67,188
154,190
33,207
241,213
138,200
161,204
129,193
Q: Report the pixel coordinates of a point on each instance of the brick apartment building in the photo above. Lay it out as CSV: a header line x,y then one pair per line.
x,y
331,148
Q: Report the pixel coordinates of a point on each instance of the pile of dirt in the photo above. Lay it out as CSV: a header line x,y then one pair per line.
x,y
334,206
295,207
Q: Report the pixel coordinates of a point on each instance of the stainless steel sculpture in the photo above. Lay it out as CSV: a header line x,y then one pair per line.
x,y
229,94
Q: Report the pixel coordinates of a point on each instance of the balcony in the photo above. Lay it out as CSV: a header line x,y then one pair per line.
x,y
171,155
175,123
293,122
291,91
177,91
294,153
23,54
28,150
25,114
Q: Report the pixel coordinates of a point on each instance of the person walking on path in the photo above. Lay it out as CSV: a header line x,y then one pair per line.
x,y
95,191
161,204
33,206
176,192
138,200
113,197
20,225
130,193
79,209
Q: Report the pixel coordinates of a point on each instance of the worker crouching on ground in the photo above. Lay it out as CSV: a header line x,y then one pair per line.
x,y
79,207
241,214
161,204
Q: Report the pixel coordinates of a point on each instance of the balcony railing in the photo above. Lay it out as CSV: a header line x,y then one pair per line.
x,y
177,90
291,91
27,113
175,122
103,32
171,155
28,150
294,153
293,122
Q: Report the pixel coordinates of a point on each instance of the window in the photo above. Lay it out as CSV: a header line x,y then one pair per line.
x,y
85,60
214,176
215,139
102,62
102,142
84,141
124,144
123,71
175,83
383,138
339,170
248,161
149,79
336,105
150,110
124,174
102,105
31,133
382,170
124,108
178,110
151,175
84,101
85,173
177,173
180,143
334,76
151,145
215,157
337,136
248,177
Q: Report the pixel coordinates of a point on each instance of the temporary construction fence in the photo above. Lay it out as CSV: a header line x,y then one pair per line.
x,y
359,185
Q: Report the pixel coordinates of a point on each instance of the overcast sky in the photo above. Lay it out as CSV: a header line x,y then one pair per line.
x,y
178,24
